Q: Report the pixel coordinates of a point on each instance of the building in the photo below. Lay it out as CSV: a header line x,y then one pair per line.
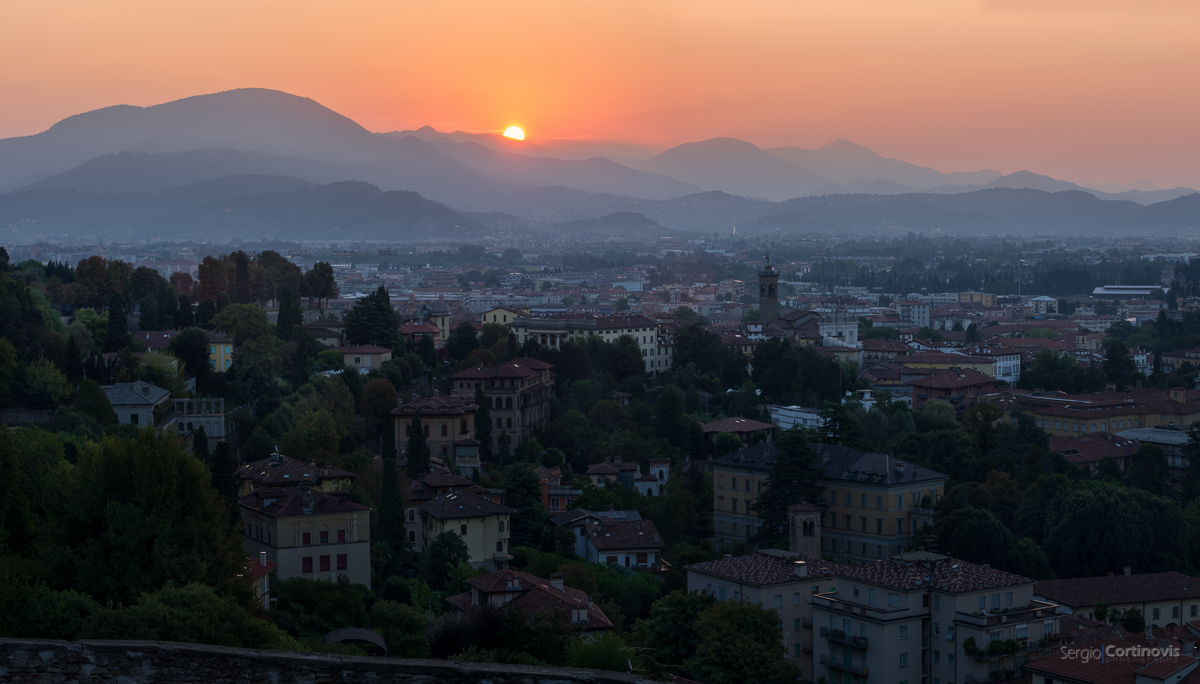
x,y
365,357
1166,656
635,544
260,570
768,293
788,417
449,427
782,581
518,393
201,412
924,617
613,470
1170,439
556,496
484,525
553,331
875,501
1043,305
962,389
309,533
532,595
220,347
1164,598
913,314
426,489
328,331
502,315
1124,292
142,404
279,471
1086,451
746,429
1111,411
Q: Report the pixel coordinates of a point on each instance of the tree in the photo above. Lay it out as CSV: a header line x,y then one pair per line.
x,y
372,320
190,346
390,540
671,628
45,385
193,613
503,450
417,451
523,494
483,425
462,340
605,652
445,552
92,400
793,479
117,332
377,401
243,322
319,281
138,512
200,445
1118,365
740,642
223,467
1191,474
974,535
1149,469
289,313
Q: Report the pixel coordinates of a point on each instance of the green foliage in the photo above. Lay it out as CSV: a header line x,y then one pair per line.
x,y
670,630
417,450
738,642
523,494
389,540
607,651
190,346
793,479
372,320
45,385
193,613
440,558
309,609
92,400
462,340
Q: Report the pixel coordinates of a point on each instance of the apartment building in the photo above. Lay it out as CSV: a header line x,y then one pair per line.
x,y
913,314
278,471
553,331
518,393
141,404
632,543
1068,415
875,501
309,533
925,618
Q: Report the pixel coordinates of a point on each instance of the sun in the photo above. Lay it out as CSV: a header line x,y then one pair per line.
x,y
514,132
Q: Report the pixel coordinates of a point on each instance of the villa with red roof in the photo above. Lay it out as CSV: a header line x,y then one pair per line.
x,y
532,596
364,357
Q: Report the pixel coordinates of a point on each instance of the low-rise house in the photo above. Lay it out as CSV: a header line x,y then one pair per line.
x,y
1164,598
260,577
613,470
426,489
364,357
533,597
142,404
961,389
635,544
328,331
1165,656
201,412
280,471
483,524
309,533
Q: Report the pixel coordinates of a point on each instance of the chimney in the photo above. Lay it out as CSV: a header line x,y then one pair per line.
x,y
1149,632
1128,570
800,568
262,558
556,581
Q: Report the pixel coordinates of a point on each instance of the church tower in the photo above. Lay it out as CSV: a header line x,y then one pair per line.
x,y
804,529
768,293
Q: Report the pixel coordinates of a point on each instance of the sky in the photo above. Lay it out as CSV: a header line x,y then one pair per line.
x,y
1097,91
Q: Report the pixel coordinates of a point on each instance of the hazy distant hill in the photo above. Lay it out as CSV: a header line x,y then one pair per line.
x,y
736,167
235,206
844,162
623,223
250,119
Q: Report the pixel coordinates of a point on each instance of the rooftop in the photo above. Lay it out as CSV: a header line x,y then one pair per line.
x,y
1120,589
768,567
463,504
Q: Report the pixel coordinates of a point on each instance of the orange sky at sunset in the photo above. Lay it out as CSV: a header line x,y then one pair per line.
x,y
1092,91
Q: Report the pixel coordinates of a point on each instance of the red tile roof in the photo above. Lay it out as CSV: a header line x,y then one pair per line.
x,y
363,349
920,570
280,503
281,471
463,504
954,379
1120,589
537,595
1094,447
736,425
767,568
617,535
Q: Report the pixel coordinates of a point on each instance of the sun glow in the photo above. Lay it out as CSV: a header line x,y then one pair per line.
x,y
514,132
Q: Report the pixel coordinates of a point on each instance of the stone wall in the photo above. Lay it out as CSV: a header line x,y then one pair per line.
x,y
25,661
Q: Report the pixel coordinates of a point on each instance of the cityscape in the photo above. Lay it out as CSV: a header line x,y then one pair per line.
x,y
544,343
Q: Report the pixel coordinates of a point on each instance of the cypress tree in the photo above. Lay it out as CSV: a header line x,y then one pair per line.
x,y
389,539
483,426
183,317
224,475
793,479
200,446
417,451
117,332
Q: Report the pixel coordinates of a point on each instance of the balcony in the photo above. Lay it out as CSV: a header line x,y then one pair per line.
x,y
853,668
806,622
998,677
1036,610
843,638
1004,649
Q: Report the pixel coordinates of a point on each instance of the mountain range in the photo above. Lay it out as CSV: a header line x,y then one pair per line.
x,y
256,162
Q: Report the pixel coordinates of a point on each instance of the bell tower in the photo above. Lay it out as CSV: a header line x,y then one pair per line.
x,y
804,529
768,293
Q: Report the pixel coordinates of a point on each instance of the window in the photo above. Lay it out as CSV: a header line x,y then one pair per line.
x,y
937,629
324,536
425,429
1157,613
445,430
324,563
878,525
937,657
832,496
847,498
462,530
879,503
341,561
899,525
796,599
779,600
1174,611
995,601
903,632
899,501
733,503
133,419
1193,610
849,522
1008,598
500,546
733,483
862,522
864,500
306,564
412,515
412,536
857,591
796,650
982,602
720,589
903,660
306,539
509,422
893,599
341,536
